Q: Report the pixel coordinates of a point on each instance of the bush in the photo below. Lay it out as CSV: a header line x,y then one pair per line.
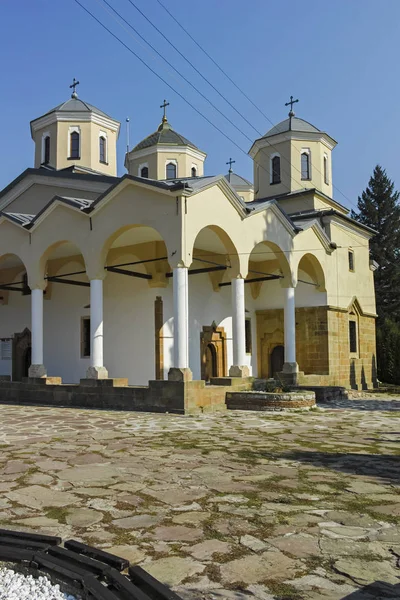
x,y
388,351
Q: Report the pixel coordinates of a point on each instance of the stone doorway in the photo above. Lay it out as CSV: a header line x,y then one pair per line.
x,y
277,360
21,354
213,352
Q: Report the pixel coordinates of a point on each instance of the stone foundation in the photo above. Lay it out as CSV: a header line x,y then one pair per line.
x,y
180,397
264,401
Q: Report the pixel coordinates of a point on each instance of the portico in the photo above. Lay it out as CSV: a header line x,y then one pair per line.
x,y
143,278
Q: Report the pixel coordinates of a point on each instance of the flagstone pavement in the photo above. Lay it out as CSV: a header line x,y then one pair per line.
x,y
239,505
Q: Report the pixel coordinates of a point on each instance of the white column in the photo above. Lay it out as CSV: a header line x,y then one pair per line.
x,y
290,329
37,368
181,322
96,369
239,368
238,322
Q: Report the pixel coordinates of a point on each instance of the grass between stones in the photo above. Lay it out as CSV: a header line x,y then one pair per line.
x,y
283,591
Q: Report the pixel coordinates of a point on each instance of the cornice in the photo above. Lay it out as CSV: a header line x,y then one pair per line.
x,y
74,117
166,149
289,136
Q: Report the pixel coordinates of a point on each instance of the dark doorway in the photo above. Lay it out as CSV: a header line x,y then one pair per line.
x,y
21,354
277,360
211,362
27,361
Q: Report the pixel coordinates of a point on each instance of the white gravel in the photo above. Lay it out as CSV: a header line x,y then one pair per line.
x,y
16,586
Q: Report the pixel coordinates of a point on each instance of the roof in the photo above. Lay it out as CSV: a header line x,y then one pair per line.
x,y
164,135
76,105
292,124
63,173
238,181
309,214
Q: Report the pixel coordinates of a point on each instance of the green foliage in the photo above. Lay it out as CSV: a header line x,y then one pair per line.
x,y
378,208
388,351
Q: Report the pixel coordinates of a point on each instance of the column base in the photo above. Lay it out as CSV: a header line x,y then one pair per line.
x,y
289,374
37,371
175,374
97,373
239,371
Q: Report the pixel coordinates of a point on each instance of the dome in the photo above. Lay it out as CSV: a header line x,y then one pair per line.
x,y
292,124
164,135
238,181
77,105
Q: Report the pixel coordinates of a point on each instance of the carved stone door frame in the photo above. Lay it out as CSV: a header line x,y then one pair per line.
x,y
216,337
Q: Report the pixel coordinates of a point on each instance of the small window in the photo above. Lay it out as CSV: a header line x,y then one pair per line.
x,y
46,156
144,172
305,165
6,349
326,178
247,330
351,260
171,171
194,172
74,145
103,149
353,336
85,337
276,169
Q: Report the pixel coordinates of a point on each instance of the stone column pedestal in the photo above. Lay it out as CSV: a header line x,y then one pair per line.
x,y
176,374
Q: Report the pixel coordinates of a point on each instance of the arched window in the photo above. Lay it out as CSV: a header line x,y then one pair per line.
x,y
74,139
194,172
46,153
103,149
171,171
144,172
305,165
326,177
276,169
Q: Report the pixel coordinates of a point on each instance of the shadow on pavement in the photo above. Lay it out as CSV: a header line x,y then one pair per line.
x,y
365,404
376,465
378,589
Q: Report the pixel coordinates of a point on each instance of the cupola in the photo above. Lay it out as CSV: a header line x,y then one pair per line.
x,y
75,133
165,154
294,155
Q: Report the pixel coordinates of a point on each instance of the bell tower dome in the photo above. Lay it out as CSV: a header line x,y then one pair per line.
x,y
292,156
77,134
165,154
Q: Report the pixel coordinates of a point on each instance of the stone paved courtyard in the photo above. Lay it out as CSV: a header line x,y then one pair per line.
x,y
236,505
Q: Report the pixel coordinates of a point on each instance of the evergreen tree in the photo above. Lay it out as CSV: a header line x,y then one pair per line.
x,y
378,208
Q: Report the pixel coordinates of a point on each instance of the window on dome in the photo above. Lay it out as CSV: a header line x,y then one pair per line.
x,y
276,169
46,157
144,172
194,172
103,149
305,165
74,140
171,171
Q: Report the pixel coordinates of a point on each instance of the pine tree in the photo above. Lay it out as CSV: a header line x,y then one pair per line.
x,y
378,208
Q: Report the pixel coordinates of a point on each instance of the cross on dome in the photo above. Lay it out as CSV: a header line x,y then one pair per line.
x,y
230,163
164,106
73,86
291,102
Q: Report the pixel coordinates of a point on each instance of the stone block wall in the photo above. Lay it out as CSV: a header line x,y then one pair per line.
x,y
353,370
322,346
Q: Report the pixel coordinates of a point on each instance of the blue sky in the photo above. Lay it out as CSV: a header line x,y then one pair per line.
x,y
339,58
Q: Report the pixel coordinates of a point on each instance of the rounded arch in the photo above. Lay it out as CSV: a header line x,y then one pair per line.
x,y
267,257
215,244
13,271
141,242
60,253
310,265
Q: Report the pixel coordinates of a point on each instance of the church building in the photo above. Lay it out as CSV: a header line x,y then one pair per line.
x,y
168,272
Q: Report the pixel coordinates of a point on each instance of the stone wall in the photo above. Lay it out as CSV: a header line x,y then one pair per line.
x,y
322,346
